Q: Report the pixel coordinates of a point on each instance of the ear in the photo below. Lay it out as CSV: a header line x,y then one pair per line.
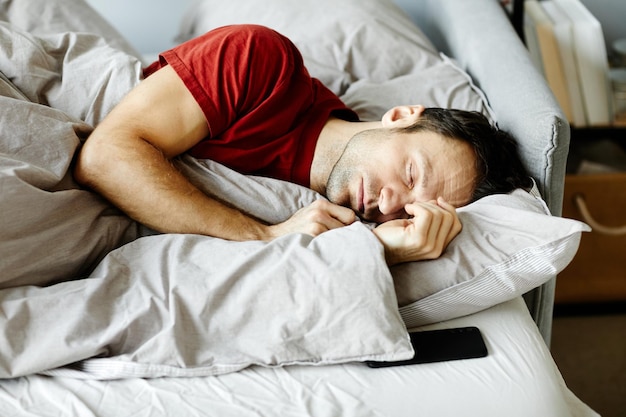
x,y
402,116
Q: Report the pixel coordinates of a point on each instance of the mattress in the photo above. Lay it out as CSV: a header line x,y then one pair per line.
x,y
517,378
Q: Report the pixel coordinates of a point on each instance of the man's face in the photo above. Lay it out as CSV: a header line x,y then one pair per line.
x,y
381,171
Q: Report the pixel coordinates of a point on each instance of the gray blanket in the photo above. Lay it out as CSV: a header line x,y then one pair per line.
x,y
75,290
87,292
176,305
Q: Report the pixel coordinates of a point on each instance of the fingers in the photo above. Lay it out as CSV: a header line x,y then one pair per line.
x,y
437,223
317,218
456,226
440,202
425,236
324,215
343,215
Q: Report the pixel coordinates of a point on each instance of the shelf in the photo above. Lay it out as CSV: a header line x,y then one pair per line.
x,y
599,132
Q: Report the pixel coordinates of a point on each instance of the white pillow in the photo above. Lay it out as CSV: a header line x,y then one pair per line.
x,y
353,47
509,244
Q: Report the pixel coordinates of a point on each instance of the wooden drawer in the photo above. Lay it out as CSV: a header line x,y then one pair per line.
x,y
598,272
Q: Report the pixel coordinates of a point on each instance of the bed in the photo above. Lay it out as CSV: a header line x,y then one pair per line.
x,y
102,316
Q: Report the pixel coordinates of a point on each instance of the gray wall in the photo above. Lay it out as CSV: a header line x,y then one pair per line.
x,y
612,16
610,13
151,25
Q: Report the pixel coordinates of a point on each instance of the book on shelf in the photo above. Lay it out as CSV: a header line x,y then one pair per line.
x,y
570,43
563,32
548,50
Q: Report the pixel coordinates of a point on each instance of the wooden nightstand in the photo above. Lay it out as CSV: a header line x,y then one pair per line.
x,y
598,271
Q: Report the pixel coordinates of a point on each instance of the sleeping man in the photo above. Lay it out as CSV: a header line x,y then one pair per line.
x,y
240,95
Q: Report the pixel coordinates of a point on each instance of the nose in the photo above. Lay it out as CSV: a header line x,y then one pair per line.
x,y
391,204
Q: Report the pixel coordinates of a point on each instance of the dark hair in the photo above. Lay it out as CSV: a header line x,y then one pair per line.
x,y
500,169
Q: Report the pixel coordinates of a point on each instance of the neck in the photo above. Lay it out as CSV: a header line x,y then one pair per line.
x,y
331,143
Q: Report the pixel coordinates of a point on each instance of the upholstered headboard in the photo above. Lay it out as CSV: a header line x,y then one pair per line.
x,y
480,37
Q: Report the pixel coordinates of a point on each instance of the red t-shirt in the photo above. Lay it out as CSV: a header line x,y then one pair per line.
x,y
263,109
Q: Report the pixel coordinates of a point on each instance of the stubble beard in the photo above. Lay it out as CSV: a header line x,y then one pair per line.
x,y
337,190
348,167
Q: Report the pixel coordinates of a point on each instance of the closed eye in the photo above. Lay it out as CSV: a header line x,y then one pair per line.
x,y
410,175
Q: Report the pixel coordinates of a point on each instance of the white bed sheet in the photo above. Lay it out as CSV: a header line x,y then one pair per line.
x,y
517,378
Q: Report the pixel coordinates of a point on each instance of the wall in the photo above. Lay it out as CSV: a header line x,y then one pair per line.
x,y
151,25
612,15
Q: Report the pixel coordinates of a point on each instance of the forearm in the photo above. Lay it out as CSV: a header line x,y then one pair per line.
x,y
137,178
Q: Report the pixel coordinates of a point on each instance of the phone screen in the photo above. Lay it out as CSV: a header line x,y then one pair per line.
x,y
442,345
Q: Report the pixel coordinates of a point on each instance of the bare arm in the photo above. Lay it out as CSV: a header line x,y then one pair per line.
x,y
126,159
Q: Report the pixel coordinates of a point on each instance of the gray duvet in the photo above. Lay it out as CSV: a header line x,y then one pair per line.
x,y
87,292
86,288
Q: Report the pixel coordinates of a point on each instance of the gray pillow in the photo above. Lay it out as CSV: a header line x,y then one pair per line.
x,y
363,50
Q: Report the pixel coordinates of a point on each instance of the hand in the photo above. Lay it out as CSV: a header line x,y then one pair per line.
x,y
319,217
424,236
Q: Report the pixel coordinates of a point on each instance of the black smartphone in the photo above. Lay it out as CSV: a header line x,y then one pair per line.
x,y
442,345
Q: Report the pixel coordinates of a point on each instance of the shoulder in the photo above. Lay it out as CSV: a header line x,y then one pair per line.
x,y
246,35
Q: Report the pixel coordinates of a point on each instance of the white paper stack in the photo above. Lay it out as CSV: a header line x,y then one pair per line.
x,y
567,44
